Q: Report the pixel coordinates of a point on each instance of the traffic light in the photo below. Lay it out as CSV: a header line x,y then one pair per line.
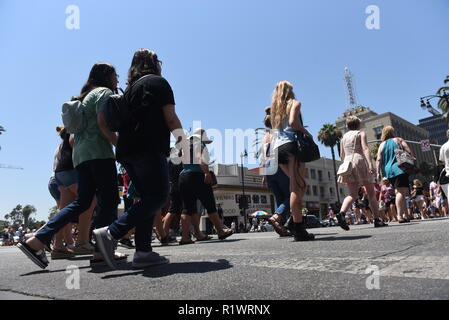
x,y
243,202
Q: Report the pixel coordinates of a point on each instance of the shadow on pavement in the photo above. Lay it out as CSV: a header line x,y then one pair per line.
x,y
342,238
48,271
171,269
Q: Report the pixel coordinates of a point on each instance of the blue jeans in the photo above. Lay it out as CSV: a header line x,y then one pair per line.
x,y
149,174
95,177
279,183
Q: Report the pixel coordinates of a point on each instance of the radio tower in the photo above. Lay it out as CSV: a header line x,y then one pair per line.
x,y
350,89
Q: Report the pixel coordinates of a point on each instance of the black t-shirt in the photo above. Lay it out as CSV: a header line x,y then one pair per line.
x,y
149,134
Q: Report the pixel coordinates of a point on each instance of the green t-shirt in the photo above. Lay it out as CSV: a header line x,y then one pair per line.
x,y
91,144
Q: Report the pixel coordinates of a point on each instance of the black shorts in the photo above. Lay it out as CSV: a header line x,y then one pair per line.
x,y
286,151
175,200
193,188
400,181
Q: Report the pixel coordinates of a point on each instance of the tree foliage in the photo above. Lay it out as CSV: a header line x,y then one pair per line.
x,y
21,215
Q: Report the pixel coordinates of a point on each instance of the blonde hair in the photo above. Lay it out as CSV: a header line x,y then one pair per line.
x,y
385,181
282,95
353,123
417,182
387,133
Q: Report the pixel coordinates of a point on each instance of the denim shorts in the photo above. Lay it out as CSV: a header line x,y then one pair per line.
x,y
66,178
53,188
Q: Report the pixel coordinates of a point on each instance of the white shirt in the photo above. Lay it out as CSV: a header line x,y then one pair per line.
x,y
444,156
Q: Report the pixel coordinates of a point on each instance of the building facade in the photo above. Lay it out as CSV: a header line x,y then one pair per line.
x,y
437,128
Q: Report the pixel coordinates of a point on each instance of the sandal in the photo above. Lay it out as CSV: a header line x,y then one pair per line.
x,y
38,257
118,257
278,228
59,254
226,235
81,250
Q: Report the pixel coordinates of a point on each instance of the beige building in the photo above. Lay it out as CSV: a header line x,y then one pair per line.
x,y
373,123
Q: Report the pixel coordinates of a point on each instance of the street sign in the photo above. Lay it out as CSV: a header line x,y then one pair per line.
x,y
425,146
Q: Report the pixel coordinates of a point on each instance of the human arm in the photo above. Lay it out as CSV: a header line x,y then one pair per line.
x,y
405,146
175,126
111,136
379,161
293,119
367,151
342,151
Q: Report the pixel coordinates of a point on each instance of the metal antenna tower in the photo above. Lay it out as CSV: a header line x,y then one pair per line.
x,y
350,89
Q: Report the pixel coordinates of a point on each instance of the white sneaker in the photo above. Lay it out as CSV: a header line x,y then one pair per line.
x,y
148,259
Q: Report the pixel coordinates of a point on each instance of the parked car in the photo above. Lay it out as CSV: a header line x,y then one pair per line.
x,y
312,222
324,223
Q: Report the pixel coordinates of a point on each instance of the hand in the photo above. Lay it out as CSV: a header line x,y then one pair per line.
x,y
207,178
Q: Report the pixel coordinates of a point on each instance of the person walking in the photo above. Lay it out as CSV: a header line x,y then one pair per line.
x,y
94,160
387,166
195,183
278,183
143,147
286,120
354,150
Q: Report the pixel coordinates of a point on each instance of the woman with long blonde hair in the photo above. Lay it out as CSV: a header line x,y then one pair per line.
x,y
286,122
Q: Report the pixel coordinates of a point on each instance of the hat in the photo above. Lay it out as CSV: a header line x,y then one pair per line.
x,y
201,134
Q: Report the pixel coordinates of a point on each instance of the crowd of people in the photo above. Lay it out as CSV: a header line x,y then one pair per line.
x,y
162,184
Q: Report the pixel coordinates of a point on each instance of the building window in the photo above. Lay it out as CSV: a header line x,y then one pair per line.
x,y
256,198
378,132
308,191
263,199
313,174
331,191
322,192
329,174
315,191
307,173
320,175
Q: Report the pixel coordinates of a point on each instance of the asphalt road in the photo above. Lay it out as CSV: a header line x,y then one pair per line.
x,y
412,260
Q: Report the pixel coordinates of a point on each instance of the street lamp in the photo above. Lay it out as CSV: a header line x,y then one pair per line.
x,y
243,202
427,106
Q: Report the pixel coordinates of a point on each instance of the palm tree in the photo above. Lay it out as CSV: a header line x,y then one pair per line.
x,y
330,136
443,104
2,129
27,211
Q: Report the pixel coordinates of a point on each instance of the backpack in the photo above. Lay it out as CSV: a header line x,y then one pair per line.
x,y
120,114
73,116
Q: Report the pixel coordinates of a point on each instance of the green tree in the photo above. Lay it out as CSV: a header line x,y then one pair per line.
x,y
27,211
52,212
443,103
374,150
2,129
15,216
330,136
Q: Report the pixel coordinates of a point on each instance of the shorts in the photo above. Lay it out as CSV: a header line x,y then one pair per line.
x,y
400,181
66,178
175,201
419,198
193,188
286,151
53,188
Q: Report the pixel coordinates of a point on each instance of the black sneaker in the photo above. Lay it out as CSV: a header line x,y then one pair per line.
x,y
126,243
379,223
342,221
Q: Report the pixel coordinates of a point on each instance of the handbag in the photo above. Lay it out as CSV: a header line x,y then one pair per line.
x,y
214,178
345,168
406,162
308,150
443,179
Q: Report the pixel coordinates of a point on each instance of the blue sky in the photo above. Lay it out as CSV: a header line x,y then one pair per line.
x,y
222,59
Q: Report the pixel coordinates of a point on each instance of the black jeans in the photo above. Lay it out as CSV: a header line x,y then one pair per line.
x,y
149,174
95,177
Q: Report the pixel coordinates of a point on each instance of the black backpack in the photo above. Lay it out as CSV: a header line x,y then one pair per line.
x,y
120,114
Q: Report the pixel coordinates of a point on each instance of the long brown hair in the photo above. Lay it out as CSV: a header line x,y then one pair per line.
x,y
144,62
100,76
